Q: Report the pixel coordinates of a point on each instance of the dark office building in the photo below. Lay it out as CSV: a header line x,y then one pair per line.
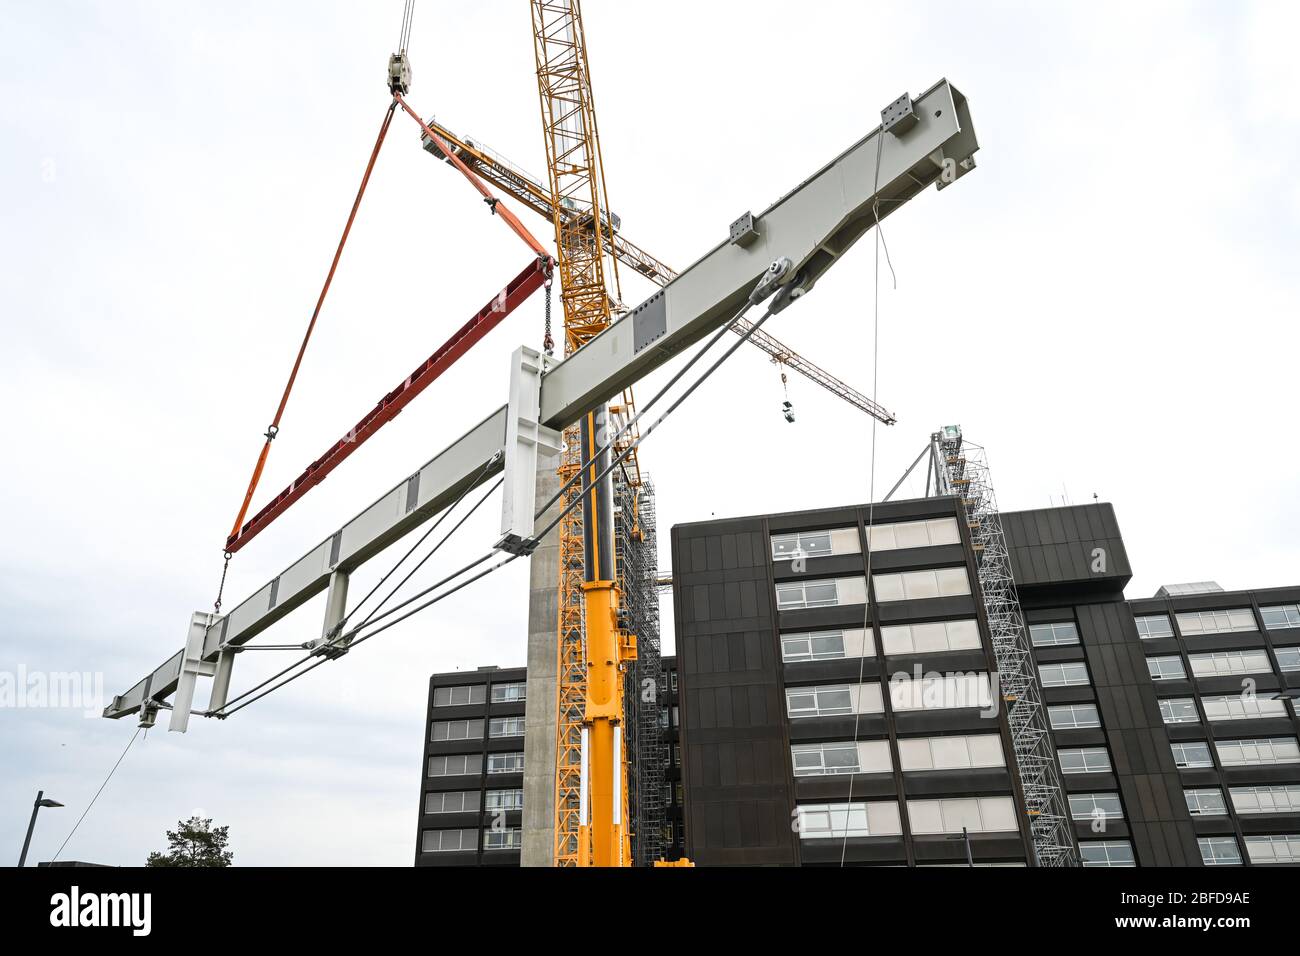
x,y
471,788
826,718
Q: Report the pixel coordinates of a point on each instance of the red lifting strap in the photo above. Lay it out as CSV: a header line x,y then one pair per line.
x,y
488,317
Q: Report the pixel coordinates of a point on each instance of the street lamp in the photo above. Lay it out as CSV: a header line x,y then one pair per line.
x,y
41,801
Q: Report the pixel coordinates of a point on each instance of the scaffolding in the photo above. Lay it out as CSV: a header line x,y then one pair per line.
x,y
636,551
961,469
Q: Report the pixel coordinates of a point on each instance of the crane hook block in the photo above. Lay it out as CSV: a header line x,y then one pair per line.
x,y
399,74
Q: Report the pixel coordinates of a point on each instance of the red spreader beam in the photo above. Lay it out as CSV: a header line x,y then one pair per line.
x,y
487,318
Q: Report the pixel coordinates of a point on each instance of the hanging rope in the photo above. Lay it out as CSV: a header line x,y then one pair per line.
x,y
274,428
97,793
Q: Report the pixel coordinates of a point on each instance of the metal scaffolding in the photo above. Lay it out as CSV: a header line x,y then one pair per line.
x,y
636,550
960,468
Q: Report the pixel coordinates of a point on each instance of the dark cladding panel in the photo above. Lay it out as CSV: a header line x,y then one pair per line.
x,y
1079,545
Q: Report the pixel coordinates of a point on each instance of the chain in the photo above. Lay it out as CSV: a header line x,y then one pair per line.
x,y
216,605
548,343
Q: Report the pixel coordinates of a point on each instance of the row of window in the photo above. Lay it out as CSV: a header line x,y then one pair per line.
x,y
1215,851
881,818
1232,620
1201,802
1182,710
1223,663
477,694
893,586
881,537
467,801
472,729
1252,751
958,752
460,765
905,693
930,637
453,841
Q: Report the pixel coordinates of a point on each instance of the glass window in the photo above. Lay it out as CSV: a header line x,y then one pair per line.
x,y
448,841
1242,707
503,838
1219,851
1178,710
455,765
1260,750
791,595
824,646
1221,663
1280,616
1073,716
1206,803
455,801
915,585
913,534
829,759
1094,806
1151,626
1166,668
951,753
1063,675
951,815
1281,848
809,544
830,700
506,727
505,763
458,696
826,820
502,693
1084,760
457,730
949,691
931,637
1282,798
1192,623
504,800
1288,658
1052,635
1190,754
1107,853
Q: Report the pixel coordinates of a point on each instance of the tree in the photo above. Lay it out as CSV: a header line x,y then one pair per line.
x,y
195,842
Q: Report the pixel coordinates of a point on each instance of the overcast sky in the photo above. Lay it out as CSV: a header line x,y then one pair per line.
x,y
1108,304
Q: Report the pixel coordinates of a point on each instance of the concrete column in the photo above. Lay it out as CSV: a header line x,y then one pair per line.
x,y
539,719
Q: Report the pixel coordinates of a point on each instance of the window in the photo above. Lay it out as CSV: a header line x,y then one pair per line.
x,y
1222,663
827,592
1063,675
930,638
1288,658
1107,853
913,534
447,841
1219,851
951,753
1283,798
503,693
1192,754
828,759
504,800
823,646
503,838
1274,849
1094,806
455,765
815,544
505,763
1074,716
457,730
673,680
1084,760
951,815
1261,750
1166,668
456,801
1280,616
1052,635
1192,623
1241,707
1151,626
1178,710
1206,803
457,696
913,585
830,700
949,691
506,727
823,820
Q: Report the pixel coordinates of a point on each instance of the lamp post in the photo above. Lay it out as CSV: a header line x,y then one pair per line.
x,y
41,801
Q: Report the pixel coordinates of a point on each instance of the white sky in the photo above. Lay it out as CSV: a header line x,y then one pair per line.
x,y
1108,304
